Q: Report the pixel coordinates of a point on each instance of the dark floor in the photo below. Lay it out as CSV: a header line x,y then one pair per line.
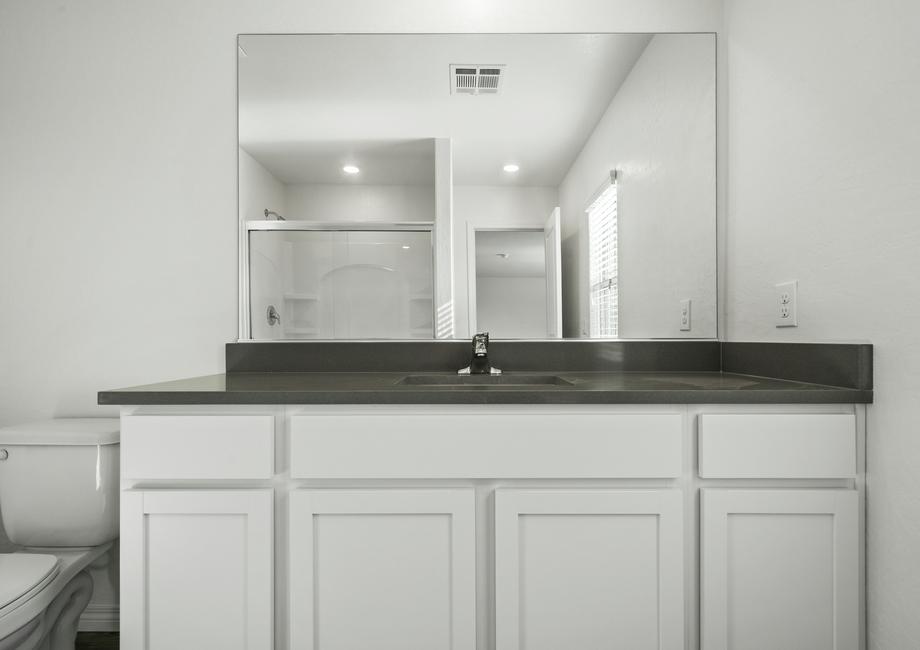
x,y
97,641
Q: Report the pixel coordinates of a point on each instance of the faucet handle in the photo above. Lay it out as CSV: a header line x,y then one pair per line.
x,y
479,364
481,344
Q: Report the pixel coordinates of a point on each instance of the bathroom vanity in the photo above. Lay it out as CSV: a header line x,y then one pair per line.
x,y
600,493
653,506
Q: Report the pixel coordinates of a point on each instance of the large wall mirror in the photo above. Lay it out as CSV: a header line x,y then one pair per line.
x,y
400,186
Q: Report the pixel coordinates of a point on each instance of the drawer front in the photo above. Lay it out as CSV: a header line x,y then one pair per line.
x,y
487,446
197,446
805,445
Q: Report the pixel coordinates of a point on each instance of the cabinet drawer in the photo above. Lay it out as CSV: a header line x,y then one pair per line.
x,y
197,446
487,445
804,445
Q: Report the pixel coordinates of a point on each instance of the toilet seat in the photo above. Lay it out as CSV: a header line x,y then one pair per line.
x,y
23,575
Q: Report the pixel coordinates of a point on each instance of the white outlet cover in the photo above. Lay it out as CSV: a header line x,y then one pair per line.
x,y
685,315
785,304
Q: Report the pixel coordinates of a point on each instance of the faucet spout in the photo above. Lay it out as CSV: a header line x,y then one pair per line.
x,y
479,363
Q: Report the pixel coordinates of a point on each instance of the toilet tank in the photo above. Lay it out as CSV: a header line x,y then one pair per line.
x,y
59,482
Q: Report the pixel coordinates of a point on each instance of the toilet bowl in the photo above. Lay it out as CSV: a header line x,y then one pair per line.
x,y
59,506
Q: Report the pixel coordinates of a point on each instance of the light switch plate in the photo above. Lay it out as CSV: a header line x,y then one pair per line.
x,y
786,312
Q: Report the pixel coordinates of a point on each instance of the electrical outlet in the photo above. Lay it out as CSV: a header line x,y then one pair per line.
x,y
786,312
685,315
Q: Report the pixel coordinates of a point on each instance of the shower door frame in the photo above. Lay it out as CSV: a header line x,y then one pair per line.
x,y
245,324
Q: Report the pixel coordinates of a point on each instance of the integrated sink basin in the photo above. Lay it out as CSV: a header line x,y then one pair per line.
x,y
509,379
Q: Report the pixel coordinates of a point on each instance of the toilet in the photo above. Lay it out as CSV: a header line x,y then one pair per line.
x,y
59,507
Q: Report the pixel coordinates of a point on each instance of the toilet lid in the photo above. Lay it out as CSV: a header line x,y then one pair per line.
x,y
23,573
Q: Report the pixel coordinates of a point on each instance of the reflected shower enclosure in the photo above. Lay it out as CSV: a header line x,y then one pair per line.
x,y
316,281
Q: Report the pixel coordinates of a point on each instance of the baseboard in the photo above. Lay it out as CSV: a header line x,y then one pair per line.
x,y
99,618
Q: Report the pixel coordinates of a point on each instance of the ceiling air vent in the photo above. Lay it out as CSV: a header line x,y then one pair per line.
x,y
476,79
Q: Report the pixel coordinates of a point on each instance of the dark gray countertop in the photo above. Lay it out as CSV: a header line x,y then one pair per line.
x,y
575,388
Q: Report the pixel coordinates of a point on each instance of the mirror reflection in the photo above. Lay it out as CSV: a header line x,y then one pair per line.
x,y
334,284
513,298
531,185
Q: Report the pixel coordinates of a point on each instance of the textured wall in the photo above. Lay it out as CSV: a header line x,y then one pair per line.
x,y
659,134
824,187
329,202
259,190
511,308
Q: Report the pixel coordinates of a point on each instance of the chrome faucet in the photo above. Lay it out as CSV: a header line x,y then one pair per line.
x,y
479,364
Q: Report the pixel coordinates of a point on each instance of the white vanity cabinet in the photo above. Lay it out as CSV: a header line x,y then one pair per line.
x,y
197,531
384,569
196,569
780,566
780,569
496,527
589,569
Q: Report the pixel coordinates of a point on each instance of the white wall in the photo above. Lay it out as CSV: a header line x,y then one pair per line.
x,y
118,250
484,206
666,198
259,190
118,173
511,308
344,202
824,187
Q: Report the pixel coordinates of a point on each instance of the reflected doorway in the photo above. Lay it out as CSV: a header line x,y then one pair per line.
x,y
514,281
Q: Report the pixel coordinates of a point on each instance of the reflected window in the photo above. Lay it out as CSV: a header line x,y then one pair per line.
x,y
602,244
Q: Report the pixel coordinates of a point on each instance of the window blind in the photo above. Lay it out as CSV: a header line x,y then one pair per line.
x,y
602,238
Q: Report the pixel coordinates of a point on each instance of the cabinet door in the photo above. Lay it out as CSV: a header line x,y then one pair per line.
x,y
589,569
382,569
779,569
196,569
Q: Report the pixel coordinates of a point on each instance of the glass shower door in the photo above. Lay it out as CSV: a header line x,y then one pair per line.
x,y
341,284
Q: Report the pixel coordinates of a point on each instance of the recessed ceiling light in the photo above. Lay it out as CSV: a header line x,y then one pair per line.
x,y
405,248
350,169
511,168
